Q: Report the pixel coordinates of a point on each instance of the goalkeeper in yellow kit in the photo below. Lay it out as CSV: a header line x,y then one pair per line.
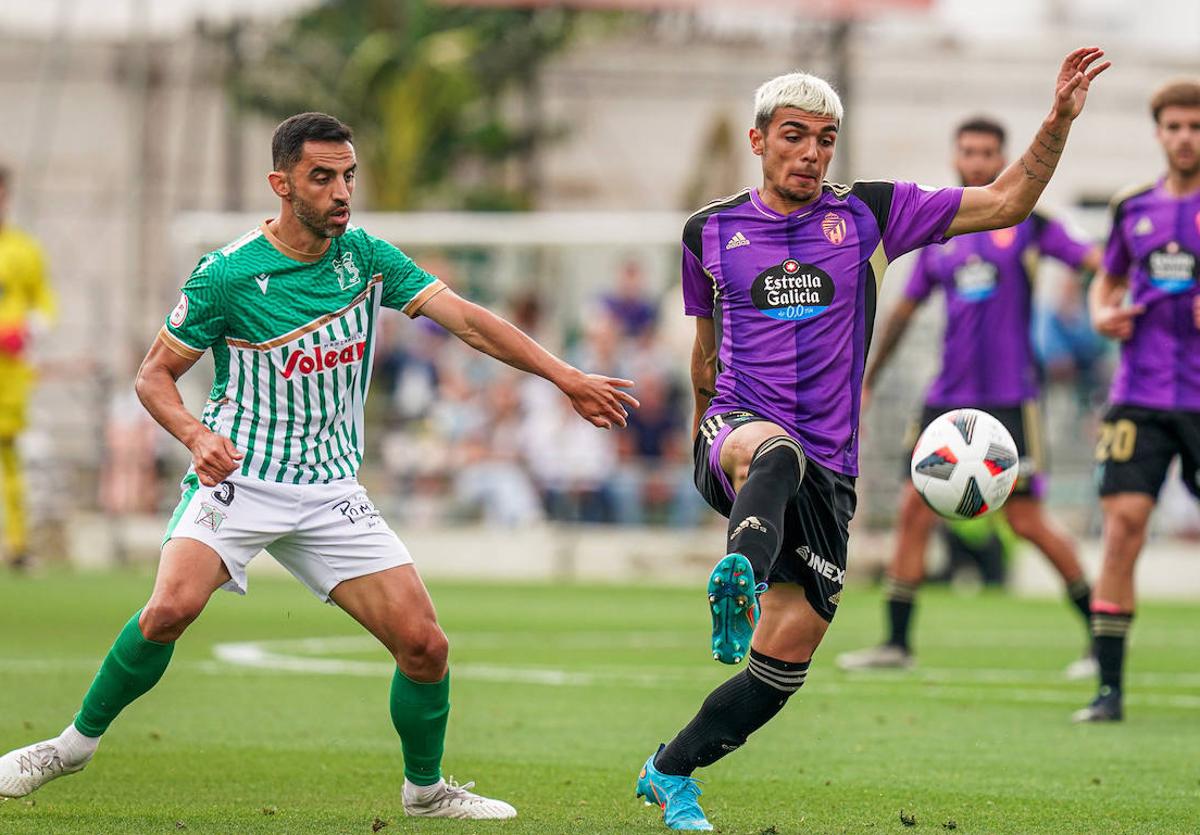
x,y
26,306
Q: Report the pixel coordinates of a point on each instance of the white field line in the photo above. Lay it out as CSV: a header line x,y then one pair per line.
x,y
948,684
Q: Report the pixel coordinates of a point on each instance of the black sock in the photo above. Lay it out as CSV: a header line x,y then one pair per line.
x,y
901,598
756,519
732,712
1108,634
1081,598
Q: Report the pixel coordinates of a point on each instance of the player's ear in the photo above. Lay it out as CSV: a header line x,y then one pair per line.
x,y
279,184
757,141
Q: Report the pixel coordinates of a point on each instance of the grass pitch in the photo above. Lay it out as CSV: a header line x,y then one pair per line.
x,y
559,694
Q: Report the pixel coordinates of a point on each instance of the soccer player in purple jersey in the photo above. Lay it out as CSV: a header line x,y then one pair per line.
x,y
782,282
1153,256
987,363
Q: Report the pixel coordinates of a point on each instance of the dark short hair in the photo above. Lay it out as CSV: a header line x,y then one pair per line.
x,y
1179,92
287,143
982,124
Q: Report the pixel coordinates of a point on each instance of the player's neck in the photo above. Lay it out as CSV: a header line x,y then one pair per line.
x,y
1181,184
776,202
289,231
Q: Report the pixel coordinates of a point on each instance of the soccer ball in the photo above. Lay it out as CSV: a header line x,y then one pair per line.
x,y
965,464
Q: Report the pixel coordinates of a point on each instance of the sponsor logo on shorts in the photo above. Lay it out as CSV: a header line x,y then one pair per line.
x,y
209,517
822,566
836,598
320,358
792,291
749,522
179,314
358,508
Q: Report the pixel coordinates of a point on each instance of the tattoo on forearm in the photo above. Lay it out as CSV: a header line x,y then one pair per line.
x,y
709,394
1049,148
1031,175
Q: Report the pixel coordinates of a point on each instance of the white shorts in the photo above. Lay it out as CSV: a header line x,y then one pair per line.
x,y
321,533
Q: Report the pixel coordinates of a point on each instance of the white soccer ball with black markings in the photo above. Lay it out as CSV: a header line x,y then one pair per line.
x,y
965,464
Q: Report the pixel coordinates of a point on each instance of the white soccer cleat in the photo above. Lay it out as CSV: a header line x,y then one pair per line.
x,y
883,657
447,799
24,770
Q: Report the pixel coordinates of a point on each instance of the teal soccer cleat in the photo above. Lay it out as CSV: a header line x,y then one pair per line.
x,y
677,796
733,600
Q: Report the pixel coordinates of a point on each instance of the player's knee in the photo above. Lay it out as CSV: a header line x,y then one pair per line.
x,y
164,619
1124,524
1027,525
424,653
780,457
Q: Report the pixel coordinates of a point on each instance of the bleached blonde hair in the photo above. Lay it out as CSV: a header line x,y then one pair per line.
x,y
799,90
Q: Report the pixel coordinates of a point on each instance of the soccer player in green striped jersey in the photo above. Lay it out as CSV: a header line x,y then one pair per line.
x,y
290,312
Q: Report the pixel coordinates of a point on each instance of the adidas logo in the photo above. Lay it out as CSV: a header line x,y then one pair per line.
x,y
737,240
1144,226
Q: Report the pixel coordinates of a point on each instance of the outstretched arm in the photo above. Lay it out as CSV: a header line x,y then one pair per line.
x,y
598,399
704,369
1010,199
213,456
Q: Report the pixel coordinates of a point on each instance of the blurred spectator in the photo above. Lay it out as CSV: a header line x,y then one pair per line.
x,y
1068,350
630,304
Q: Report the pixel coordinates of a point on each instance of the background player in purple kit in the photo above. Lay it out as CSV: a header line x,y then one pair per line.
x,y
987,363
782,281
1153,254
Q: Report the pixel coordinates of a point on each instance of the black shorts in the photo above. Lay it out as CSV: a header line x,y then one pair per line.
x,y
1023,422
816,524
1136,447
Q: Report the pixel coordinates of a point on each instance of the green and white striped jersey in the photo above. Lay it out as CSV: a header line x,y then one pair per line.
x,y
292,338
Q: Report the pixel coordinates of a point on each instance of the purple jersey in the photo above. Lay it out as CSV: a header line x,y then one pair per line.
x,y
987,278
793,299
1155,241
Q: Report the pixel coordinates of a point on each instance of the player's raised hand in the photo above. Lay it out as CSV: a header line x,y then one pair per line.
x,y
1076,74
214,457
600,400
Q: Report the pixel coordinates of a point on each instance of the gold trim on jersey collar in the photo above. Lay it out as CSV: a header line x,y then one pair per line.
x,y
291,251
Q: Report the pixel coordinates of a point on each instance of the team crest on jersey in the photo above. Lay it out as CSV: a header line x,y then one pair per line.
x,y
834,227
792,291
179,314
347,271
1003,238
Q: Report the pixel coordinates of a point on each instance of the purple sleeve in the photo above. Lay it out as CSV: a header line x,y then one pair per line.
x,y
1058,243
918,216
1116,253
697,287
921,280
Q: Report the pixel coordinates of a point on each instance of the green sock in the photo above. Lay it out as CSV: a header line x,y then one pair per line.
x,y
132,666
419,713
